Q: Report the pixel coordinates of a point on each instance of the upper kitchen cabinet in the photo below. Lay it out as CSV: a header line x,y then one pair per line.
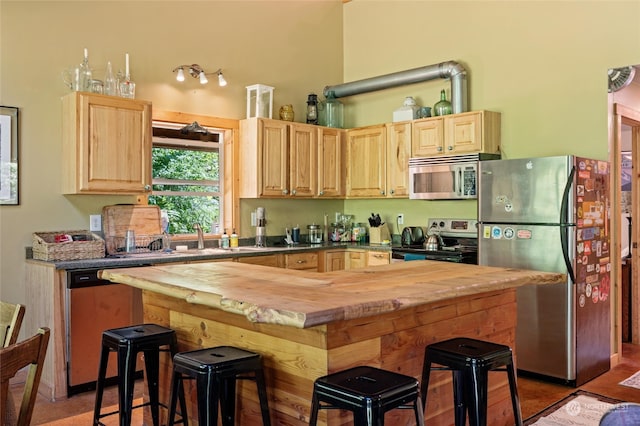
x,y
377,161
331,163
366,162
398,153
106,144
277,159
464,133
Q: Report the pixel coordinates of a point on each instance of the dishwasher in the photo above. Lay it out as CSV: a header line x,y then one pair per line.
x,y
93,305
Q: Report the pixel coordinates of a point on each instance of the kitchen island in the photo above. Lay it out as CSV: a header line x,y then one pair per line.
x,y
309,324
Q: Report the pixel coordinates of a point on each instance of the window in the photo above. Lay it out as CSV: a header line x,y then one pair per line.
x,y
187,175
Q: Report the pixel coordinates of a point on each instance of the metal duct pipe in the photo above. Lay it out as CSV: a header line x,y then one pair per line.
x,y
449,69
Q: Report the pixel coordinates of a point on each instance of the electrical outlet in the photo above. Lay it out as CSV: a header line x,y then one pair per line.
x,y
400,218
95,223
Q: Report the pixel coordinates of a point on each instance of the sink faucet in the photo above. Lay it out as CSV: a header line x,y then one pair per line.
x,y
200,236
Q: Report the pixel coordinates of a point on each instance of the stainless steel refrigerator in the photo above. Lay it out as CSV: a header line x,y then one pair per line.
x,y
551,214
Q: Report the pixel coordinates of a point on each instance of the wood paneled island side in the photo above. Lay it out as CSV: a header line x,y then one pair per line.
x,y
308,324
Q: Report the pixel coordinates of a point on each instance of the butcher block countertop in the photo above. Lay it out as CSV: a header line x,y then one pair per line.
x,y
305,299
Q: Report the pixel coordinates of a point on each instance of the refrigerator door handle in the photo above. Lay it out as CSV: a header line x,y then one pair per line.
x,y
564,228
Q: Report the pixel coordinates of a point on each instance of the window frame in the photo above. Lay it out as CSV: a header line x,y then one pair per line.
x,y
230,130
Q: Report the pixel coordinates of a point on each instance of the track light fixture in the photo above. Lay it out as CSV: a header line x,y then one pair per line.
x,y
196,71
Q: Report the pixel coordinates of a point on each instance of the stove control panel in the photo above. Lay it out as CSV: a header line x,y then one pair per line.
x,y
454,227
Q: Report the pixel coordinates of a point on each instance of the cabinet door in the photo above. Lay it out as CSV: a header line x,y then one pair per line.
x,y
366,162
398,153
334,260
427,137
375,258
331,152
107,144
268,260
274,157
356,259
306,260
463,133
303,160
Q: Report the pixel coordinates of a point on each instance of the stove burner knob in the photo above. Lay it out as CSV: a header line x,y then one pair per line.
x,y
442,224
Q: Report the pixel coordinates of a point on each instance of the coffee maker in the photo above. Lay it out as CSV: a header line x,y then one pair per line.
x,y
260,223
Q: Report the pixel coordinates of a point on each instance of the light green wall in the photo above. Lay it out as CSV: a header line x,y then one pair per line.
x,y
295,47
542,64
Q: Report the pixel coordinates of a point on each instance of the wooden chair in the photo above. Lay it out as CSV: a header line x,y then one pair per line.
x,y
10,320
30,352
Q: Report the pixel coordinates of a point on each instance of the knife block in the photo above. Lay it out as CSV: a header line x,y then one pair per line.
x,y
379,234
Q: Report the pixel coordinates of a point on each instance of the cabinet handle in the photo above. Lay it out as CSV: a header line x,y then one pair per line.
x,y
293,192
393,191
285,191
439,149
147,188
301,261
321,193
450,148
382,192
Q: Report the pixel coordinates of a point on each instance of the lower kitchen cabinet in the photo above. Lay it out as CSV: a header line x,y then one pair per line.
x,y
301,261
338,260
332,260
269,260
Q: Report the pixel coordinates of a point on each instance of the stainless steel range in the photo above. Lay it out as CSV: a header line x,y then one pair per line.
x,y
459,242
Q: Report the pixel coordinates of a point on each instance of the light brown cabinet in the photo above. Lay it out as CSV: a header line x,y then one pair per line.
x,y
332,260
301,261
277,159
268,260
464,133
366,162
338,260
331,163
106,144
398,153
378,160
375,258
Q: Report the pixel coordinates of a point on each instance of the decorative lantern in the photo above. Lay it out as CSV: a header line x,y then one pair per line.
x,y
259,101
312,109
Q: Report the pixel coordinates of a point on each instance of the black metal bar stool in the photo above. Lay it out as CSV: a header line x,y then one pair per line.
x,y
128,342
470,361
368,392
215,371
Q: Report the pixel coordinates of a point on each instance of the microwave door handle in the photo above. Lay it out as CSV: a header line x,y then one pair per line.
x,y
457,173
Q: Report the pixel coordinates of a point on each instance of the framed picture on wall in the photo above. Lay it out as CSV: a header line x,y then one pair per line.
x,y
9,184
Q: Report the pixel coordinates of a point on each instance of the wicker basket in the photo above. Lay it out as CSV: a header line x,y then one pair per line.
x,y
45,247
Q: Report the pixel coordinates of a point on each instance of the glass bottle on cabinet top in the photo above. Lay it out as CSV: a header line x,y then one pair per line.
x,y
334,112
442,107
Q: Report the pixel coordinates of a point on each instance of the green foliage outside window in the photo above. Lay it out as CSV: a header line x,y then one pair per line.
x,y
187,186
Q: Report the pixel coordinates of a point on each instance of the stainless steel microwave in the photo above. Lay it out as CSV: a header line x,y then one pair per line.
x,y
447,177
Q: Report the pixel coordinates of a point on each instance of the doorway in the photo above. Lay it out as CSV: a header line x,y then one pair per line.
x,y
624,151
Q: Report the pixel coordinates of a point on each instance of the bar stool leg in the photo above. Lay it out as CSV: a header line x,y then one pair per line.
x,y
313,416
515,399
152,367
459,400
227,400
208,410
176,384
126,372
419,411
426,372
102,374
262,396
478,393
173,347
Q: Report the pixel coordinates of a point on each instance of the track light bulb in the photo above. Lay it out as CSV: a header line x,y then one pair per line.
x,y
221,81
180,75
203,78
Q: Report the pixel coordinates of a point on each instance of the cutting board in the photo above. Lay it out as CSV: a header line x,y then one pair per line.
x,y
144,220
